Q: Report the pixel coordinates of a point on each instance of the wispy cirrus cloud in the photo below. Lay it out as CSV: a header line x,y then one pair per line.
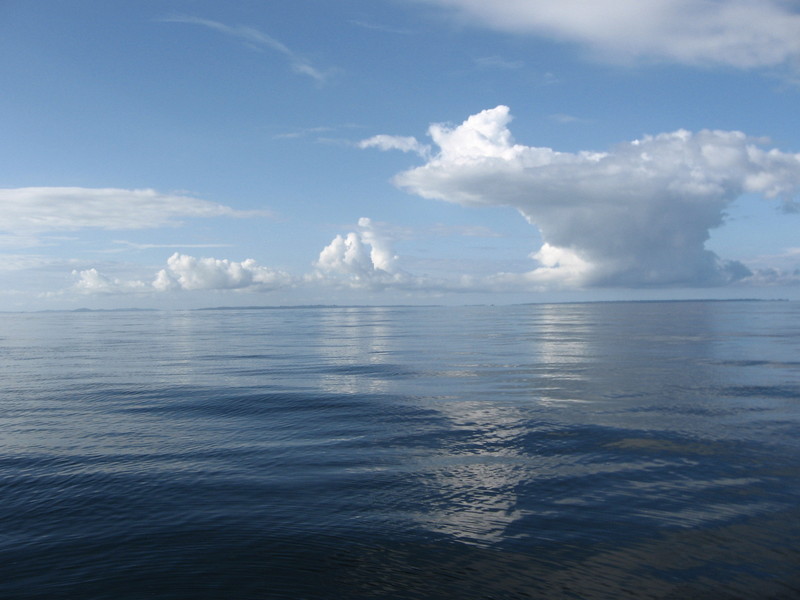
x,y
498,62
258,40
314,132
44,209
301,133
126,245
380,27
24,262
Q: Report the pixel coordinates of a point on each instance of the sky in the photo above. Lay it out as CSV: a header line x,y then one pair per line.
x,y
195,153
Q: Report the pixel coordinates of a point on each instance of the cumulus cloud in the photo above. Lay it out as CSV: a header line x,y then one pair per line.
x,y
184,272
636,215
40,209
187,273
773,277
361,258
91,281
739,33
775,269
257,40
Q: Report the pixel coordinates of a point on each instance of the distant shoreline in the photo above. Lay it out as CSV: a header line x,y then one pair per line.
x,y
331,306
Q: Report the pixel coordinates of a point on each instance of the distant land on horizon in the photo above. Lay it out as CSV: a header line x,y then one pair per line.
x,y
318,306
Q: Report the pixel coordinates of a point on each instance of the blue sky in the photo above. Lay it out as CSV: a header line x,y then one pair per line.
x,y
189,153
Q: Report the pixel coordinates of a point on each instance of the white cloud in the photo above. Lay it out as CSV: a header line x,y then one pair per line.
x,y
346,254
364,260
560,265
739,33
185,272
257,40
361,258
775,269
40,209
90,281
636,215
396,142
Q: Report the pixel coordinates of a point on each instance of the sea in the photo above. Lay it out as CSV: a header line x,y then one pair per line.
x,y
621,450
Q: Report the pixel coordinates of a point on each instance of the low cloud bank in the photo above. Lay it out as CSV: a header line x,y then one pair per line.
x,y
636,215
188,273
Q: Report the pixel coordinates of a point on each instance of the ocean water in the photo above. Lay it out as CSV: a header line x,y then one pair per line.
x,y
581,451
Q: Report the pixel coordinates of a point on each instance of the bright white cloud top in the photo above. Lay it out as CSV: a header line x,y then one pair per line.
x,y
637,215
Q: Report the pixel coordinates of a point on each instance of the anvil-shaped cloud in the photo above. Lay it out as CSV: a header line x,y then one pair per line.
x,y
637,215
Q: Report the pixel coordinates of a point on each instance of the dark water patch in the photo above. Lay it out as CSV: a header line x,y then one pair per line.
x,y
238,562
787,392
757,363
382,370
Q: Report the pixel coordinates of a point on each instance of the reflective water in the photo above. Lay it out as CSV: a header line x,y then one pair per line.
x,y
624,450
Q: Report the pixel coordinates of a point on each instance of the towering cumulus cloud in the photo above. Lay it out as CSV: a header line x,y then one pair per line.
x,y
360,258
637,215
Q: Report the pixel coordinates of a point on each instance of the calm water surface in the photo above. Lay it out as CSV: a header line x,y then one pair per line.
x,y
623,450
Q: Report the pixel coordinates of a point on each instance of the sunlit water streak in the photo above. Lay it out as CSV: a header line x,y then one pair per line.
x,y
629,450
